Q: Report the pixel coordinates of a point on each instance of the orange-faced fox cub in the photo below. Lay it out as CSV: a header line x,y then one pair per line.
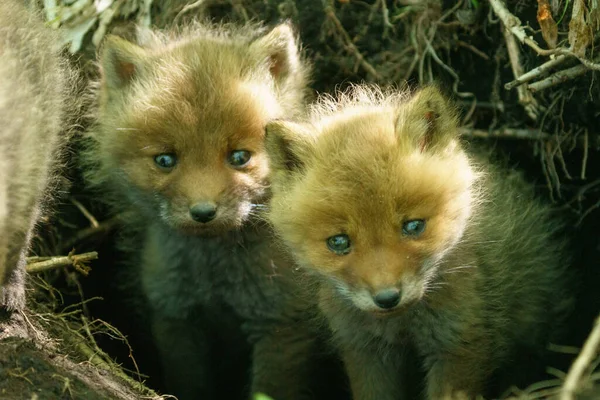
x,y
34,91
178,145
415,240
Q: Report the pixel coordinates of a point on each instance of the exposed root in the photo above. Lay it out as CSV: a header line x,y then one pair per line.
x,y
18,373
514,25
103,228
346,40
559,77
579,37
189,7
538,72
525,98
85,212
526,134
575,379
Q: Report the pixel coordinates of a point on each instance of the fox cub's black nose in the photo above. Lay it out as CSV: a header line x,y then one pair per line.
x,y
388,298
203,212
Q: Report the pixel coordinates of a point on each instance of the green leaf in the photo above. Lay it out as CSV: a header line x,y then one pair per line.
x,y
563,13
261,396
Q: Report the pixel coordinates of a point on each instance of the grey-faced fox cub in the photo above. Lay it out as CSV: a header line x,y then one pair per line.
x,y
178,145
415,240
34,90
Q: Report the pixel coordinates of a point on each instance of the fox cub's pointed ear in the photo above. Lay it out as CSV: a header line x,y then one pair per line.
x,y
281,48
288,146
120,61
430,118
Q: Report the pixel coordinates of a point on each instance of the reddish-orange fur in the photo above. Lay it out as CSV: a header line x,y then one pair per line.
x,y
200,94
485,275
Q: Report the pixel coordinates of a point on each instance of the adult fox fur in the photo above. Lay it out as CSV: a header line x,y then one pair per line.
x,y
33,97
416,240
178,145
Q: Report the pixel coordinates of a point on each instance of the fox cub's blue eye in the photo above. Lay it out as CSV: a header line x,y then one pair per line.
x,y
339,244
414,227
165,161
239,158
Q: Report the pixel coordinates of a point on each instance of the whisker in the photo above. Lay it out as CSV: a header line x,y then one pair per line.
x,y
259,206
462,268
485,242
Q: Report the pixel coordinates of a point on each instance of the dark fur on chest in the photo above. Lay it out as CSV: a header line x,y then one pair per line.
x,y
239,273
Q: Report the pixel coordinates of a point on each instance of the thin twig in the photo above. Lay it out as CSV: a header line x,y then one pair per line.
x,y
524,134
559,77
563,349
114,333
85,212
536,72
348,41
551,150
525,97
513,24
187,8
474,49
582,362
61,261
98,358
587,212
387,25
435,57
508,133
103,227
579,197
585,155
587,63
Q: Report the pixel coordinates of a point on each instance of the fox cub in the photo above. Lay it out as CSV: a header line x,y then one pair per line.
x,y
33,96
178,145
415,240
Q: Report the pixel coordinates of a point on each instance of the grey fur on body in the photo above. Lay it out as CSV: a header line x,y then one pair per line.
x,y
33,99
236,285
234,267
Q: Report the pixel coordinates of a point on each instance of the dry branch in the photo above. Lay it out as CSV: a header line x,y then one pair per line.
x,y
35,266
525,97
526,134
513,24
573,381
559,77
508,133
536,72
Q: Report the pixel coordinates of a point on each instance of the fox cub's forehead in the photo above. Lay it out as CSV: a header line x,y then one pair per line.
x,y
358,130
235,109
358,146
363,156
